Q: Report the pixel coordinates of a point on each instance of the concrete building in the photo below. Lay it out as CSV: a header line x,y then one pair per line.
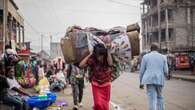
x,y
171,23
11,25
43,55
26,45
55,50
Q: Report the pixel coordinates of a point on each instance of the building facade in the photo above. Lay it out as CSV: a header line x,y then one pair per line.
x,y
55,50
171,23
11,25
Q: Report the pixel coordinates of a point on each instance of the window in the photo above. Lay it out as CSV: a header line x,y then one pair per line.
x,y
162,16
163,34
170,14
171,34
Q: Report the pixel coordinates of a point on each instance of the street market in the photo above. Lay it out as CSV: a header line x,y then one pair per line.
x,y
97,55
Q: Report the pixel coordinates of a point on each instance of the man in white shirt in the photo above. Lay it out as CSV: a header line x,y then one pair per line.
x,y
15,88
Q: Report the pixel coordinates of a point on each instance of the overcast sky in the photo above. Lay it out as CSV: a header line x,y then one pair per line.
x,y
52,17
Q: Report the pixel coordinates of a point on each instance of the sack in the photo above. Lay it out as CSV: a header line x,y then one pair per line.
x,y
134,41
75,46
80,45
121,48
68,50
133,27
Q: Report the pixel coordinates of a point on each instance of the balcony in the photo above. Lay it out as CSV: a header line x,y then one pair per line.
x,y
170,25
170,45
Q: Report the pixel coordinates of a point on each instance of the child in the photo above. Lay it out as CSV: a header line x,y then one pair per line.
x,y
43,85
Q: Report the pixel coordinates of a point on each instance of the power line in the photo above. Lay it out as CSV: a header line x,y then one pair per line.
x,y
31,26
122,3
38,32
39,10
53,11
98,11
55,14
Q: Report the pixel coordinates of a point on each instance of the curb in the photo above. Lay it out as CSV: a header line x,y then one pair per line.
x,y
183,78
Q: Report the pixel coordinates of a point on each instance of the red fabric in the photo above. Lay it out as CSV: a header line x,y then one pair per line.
x,y
101,72
101,96
23,52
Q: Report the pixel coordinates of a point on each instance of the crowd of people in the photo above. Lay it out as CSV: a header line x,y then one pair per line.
x,y
97,67
55,76
17,74
11,92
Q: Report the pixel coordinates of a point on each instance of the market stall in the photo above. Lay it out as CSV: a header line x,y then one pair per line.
x,y
24,69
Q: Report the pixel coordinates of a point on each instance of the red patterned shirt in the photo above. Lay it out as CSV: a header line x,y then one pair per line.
x,y
101,72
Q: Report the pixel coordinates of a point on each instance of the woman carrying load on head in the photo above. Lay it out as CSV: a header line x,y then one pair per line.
x,y
100,63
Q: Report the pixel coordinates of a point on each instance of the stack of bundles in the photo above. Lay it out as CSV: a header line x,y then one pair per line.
x,y
133,34
78,42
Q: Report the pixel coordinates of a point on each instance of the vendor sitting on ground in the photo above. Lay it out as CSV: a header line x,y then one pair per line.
x,y
15,90
58,81
4,96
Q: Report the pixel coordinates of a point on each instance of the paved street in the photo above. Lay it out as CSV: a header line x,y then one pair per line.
x,y
179,95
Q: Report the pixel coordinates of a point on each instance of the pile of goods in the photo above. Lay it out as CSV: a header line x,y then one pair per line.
x,y
123,42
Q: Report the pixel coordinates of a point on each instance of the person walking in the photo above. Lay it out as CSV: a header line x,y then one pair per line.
x,y
100,63
76,79
154,69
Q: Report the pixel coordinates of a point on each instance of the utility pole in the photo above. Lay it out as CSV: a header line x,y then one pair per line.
x,y
50,44
51,38
4,23
41,42
167,29
159,22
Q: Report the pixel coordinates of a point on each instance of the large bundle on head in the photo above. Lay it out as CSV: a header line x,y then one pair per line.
x,y
78,42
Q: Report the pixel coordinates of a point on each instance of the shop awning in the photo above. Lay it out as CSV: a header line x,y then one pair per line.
x,y
23,52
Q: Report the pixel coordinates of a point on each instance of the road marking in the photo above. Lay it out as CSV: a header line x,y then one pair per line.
x,y
116,106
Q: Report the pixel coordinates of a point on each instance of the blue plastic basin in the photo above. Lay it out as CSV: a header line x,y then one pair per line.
x,y
42,103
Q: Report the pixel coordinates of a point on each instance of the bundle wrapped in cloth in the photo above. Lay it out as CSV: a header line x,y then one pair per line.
x,y
74,45
78,43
